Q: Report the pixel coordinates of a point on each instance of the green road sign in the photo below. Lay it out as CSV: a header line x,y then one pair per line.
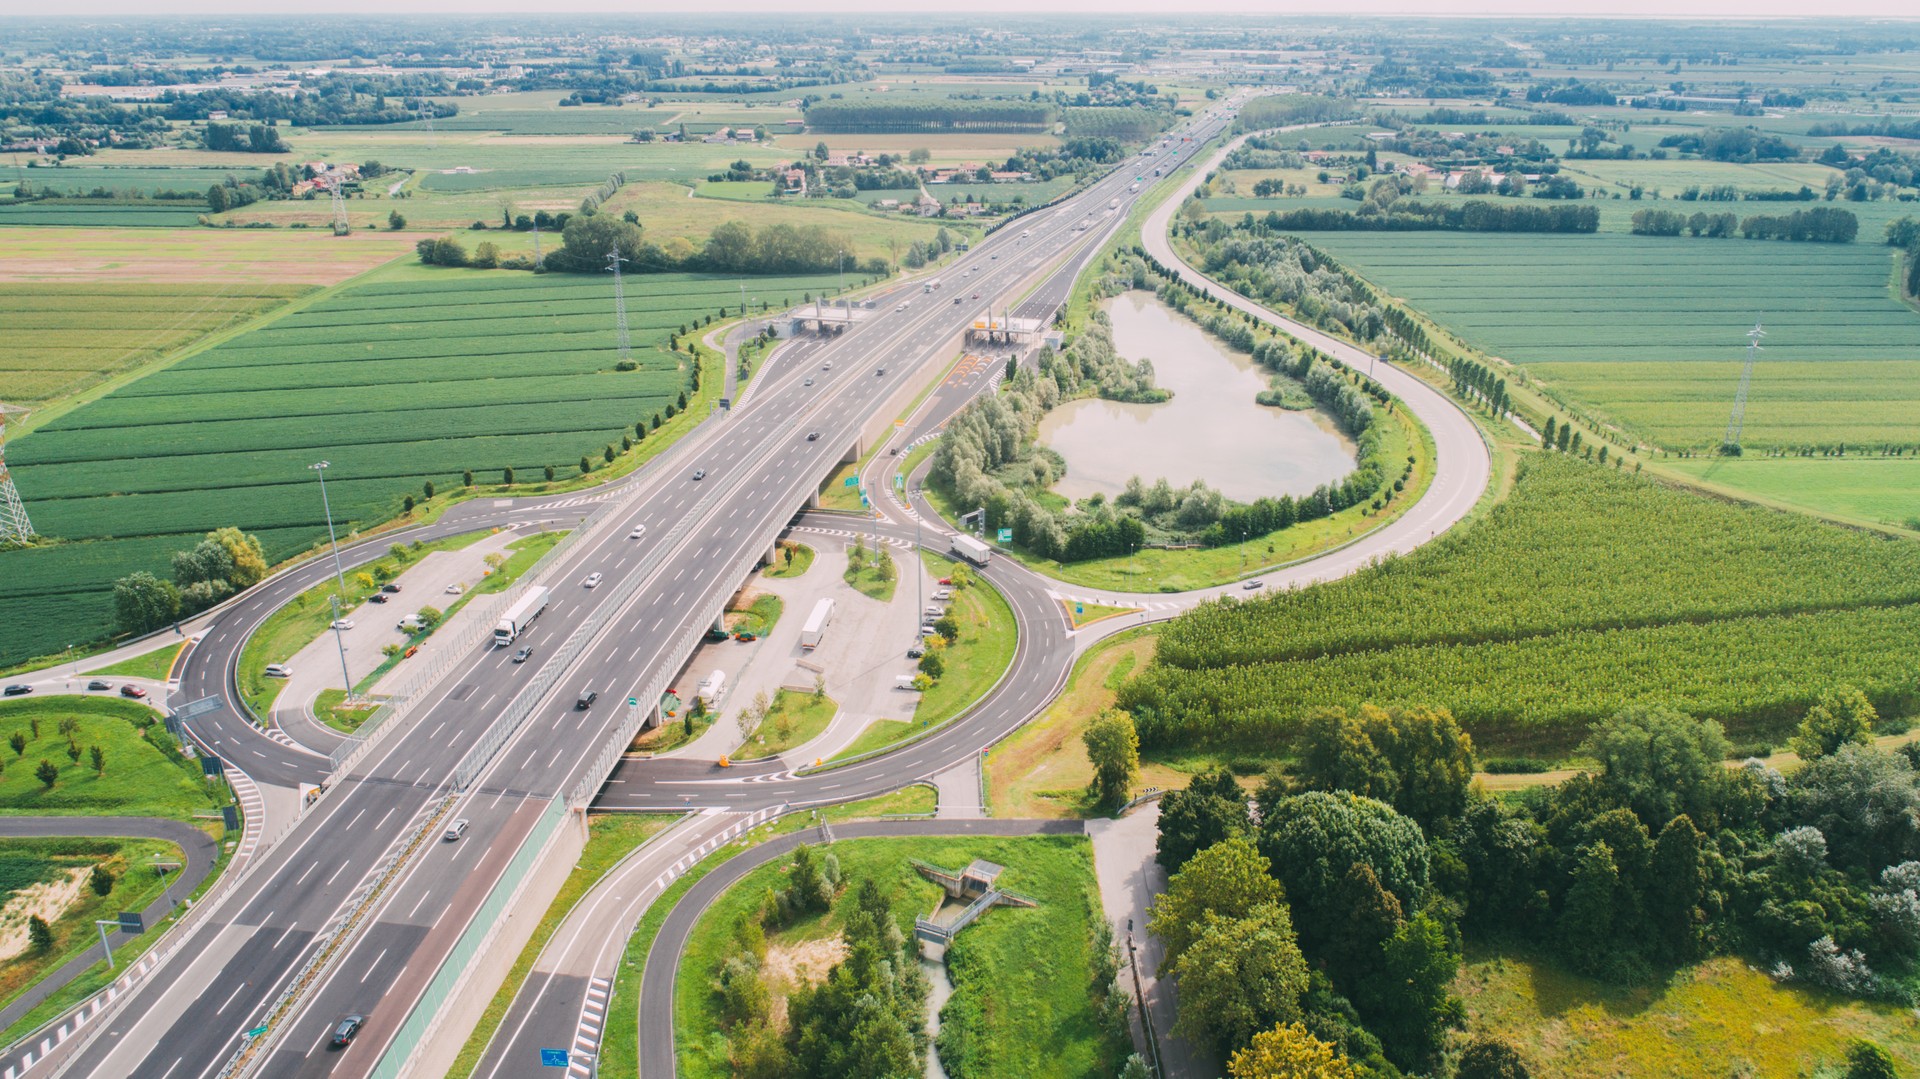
x,y
1006,535
257,1031
851,481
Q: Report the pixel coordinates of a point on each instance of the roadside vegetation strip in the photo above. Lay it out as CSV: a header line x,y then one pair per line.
x,y
155,665
620,1044
1730,611
758,616
793,560
612,839
1010,966
142,771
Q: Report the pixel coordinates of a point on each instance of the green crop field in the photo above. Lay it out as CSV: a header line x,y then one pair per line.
x,y
411,375
1601,313
123,179
1585,591
103,213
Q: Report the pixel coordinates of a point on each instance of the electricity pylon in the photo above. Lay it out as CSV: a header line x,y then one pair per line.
x,y
619,303
1740,396
14,526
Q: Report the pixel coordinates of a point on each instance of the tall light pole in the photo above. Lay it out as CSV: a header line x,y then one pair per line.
x,y
339,575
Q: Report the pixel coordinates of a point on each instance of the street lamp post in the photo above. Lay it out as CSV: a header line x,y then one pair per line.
x,y
339,575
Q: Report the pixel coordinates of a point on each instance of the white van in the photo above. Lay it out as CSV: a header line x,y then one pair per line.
x,y
904,681
411,623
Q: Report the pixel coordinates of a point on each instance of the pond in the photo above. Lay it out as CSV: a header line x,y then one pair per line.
x,y
1211,430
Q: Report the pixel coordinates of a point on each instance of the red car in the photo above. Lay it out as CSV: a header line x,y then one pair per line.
x,y
133,691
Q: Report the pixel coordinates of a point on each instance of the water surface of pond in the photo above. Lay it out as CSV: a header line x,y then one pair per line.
x,y
1211,430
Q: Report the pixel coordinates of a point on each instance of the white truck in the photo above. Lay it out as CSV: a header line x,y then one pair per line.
x,y
931,285
712,688
971,549
524,611
816,627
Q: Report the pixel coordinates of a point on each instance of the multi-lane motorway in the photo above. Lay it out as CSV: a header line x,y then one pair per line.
x,y
698,538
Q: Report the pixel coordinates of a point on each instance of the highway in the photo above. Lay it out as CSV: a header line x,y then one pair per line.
x,y
700,537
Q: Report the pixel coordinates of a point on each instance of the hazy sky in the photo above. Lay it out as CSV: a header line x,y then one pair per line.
x,y
1526,8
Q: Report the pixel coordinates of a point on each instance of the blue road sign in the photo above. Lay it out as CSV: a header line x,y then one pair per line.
x,y
553,1058
1078,609
212,766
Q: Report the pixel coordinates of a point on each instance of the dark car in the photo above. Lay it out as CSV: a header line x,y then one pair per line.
x,y
377,597
916,653
19,691
524,654
879,371
133,691
586,700
389,588
813,436
99,684
343,1034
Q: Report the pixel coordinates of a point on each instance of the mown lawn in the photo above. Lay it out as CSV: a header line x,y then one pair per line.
x,y
156,664
794,560
1718,1018
145,774
1022,1001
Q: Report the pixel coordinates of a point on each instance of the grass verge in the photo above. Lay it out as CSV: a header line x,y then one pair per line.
x,y
758,616
795,559
155,665
610,838
875,576
792,719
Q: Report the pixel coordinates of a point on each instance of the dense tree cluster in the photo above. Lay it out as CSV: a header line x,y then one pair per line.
x,y
1823,224
1742,144
223,563
1413,216
1336,898
898,112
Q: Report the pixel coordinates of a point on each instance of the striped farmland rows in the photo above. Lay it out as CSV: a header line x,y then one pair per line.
x,y
1677,310
413,377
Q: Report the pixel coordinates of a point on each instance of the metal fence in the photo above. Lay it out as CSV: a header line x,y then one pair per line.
x,y
478,936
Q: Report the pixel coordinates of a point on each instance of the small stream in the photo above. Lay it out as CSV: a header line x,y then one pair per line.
x,y
936,971
1211,430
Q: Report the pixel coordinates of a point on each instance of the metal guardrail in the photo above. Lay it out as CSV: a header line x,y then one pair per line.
x,y
332,943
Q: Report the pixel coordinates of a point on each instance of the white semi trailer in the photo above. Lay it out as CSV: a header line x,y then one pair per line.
x,y
816,627
515,621
972,549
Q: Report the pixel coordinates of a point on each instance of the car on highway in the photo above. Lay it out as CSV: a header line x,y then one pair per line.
x,y
879,372
524,654
976,295
699,474
809,381
455,830
342,623
813,436
134,692
343,1034
1251,585
18,690
828,366
377,597
956,301
592,581
638,531
587,697
389,588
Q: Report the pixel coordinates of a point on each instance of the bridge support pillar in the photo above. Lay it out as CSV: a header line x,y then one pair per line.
x,y
772,557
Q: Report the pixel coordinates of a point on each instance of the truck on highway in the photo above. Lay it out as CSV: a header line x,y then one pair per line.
x,y
972,549
816,627
931,285
524,611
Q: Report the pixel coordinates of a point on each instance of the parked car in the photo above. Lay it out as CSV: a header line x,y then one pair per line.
x,y
746,635
524,654
99,684
593,580
389,588
343,1034
377,597
455,830
943,593
455,588
342,623
916,652
279,670
19,691
134,692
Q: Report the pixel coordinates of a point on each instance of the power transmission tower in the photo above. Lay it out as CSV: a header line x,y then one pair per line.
x,y
426,109
619,302
340,226
1732,441
14,526
536,245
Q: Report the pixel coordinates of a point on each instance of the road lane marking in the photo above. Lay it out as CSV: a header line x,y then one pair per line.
x,y
375,965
